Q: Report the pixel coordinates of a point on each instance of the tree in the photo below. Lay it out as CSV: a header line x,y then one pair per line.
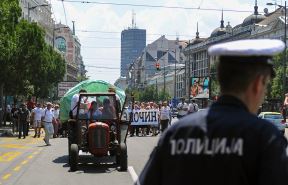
x,y
10,12
215,87
38,63
275,90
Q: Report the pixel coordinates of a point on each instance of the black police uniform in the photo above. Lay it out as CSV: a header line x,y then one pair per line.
x,y
224,145
23,124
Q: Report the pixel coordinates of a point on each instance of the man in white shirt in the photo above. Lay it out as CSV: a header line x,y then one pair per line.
x,y
164,116
36,117
74,102
182,108
48,118
193,107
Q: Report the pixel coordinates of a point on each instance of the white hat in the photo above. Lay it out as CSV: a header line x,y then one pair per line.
x,y
248,48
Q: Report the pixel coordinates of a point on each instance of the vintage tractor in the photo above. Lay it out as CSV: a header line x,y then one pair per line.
x,y
98,129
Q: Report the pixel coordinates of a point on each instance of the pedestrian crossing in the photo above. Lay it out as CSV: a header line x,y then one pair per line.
x,y
15,154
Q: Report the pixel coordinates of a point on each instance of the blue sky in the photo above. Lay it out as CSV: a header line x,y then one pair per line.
x,y
103,49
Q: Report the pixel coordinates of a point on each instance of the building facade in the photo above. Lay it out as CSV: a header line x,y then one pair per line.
x,y
39,11
58,36
168,54
133,41
69,46
255,26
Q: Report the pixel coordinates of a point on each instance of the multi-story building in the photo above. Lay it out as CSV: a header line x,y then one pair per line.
x,y
69,46
39,11
65,40
143,72
133,41
174,80
254,26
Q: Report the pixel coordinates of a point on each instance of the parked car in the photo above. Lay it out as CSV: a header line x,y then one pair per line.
x,y
275,118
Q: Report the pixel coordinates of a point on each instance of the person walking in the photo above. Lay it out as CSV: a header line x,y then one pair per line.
x,y
164,116
36,118
193,107
226,144
23,119
182,108
47,119
135,128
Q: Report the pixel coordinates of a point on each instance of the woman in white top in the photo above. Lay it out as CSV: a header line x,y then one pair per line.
x,y
164,116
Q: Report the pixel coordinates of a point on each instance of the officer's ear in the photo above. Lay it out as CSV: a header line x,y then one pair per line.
x,y
260,83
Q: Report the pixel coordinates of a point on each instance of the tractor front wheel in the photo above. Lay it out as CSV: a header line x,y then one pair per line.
x,y
74,156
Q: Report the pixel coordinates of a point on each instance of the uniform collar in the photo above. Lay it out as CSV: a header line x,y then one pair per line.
x,y
231,101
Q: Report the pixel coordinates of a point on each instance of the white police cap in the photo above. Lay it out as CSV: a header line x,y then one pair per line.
x,y
248,48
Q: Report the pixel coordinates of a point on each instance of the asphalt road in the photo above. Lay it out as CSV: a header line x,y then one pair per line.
x,y
29,161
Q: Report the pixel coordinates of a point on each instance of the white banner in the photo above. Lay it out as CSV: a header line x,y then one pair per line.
x,y
142,117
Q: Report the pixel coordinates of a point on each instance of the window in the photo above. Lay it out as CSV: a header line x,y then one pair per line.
x,y
61,44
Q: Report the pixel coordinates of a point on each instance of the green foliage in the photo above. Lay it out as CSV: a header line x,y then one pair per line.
x,y
9,13
277,84
27,62
275,89
215,87
148,94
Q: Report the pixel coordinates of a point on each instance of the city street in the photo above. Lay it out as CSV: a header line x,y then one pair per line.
x,y
29,161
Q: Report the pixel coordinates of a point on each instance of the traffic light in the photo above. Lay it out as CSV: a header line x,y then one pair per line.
x,y
157,66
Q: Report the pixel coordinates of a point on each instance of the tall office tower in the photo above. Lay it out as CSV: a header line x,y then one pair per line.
x,y
133,41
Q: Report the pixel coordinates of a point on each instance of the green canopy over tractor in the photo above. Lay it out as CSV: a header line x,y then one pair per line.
x,y
91,86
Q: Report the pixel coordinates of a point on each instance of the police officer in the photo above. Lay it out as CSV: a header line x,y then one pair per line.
x,y
226,144
23,117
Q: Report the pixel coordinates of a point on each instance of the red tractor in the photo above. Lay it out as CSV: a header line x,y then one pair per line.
x,y
98,129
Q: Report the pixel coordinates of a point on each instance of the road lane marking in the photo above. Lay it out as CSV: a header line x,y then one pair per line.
x,y
16,146
17,168
133,175
24,162
9,156
5,177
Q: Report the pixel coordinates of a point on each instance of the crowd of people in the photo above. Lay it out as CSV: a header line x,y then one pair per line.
x,y
165,111
36,116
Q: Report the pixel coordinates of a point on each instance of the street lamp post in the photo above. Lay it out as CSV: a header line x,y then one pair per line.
x,y
175,77
165,71
32,8
285,35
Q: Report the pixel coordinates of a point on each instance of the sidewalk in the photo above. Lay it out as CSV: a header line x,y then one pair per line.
x,y
6,131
